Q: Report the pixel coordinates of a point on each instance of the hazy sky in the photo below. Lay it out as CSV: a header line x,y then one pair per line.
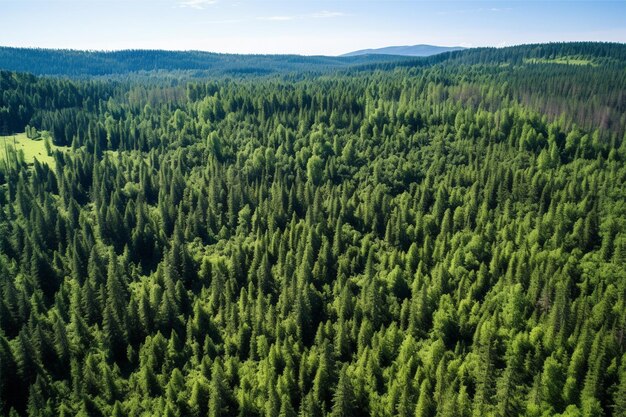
x,y
303,27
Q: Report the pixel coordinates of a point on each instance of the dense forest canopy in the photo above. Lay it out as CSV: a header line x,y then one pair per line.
x,y
445,237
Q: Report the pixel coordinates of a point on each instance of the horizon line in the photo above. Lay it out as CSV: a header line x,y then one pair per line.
x,y
300,54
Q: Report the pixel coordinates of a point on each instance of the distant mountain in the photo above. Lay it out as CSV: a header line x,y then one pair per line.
x,y
408,50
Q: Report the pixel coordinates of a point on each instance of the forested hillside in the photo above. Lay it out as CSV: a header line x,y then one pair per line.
x,y
198,64
442,239
181,63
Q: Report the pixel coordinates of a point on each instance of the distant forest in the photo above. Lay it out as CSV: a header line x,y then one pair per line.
x,y
198,64
424,237
179,63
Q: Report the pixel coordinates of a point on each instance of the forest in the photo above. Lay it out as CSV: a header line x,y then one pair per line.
x,y
198,64
442,236
150,64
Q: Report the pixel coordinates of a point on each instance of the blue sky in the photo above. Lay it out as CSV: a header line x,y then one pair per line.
x,y
302,27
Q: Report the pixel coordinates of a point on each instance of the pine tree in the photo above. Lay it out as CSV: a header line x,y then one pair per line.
x,y
217,391
424,407
619,396
199,397
343,398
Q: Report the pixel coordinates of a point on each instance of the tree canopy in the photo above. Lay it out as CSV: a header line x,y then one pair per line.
x,y
432,240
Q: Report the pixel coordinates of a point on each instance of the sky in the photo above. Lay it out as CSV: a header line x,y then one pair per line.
x,y
313,27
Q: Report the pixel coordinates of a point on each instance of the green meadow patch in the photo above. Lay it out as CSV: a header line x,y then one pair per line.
x,y
563,60
26,149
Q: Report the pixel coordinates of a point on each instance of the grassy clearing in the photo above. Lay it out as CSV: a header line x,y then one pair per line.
x,y
563,60
27,149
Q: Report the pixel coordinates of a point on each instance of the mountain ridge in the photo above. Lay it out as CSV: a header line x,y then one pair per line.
x,y
405,50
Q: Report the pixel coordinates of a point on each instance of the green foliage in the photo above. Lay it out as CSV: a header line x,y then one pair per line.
x,y
430,240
